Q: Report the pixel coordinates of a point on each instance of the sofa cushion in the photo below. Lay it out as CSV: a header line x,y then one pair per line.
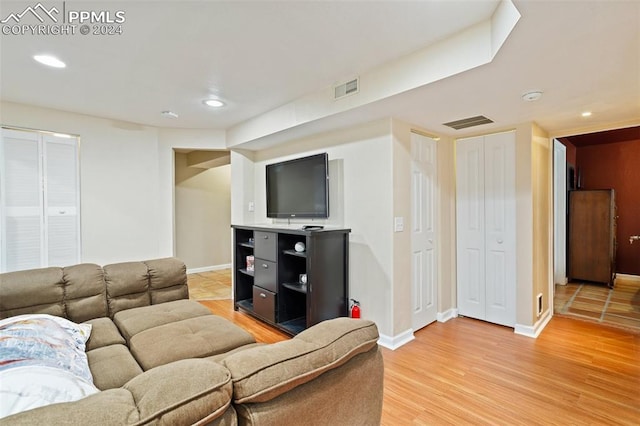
x,y
132,321
160,396
164,396
76,292
104,333
84,292
136,284
190,338
262,373
112,366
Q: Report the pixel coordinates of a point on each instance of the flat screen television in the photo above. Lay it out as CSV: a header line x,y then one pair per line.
x,y
298,188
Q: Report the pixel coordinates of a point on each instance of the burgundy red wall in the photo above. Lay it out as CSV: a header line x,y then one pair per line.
x,y
617,166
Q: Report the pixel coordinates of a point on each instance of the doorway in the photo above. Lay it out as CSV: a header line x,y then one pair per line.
x,y
602,160
202,209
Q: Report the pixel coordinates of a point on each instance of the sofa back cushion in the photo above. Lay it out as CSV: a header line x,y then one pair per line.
x,y
87,291
263,373
137,284
74,292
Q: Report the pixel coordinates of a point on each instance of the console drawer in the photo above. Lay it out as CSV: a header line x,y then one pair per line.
x,y
266,245
264,303
266,274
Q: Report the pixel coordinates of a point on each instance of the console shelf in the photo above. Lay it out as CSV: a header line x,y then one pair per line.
x,y
295,253
273,292
302,288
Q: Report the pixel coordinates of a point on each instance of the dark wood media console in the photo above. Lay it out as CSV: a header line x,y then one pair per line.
x,y
275,291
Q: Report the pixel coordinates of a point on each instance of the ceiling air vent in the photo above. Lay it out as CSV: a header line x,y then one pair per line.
x,y
469,122
348,88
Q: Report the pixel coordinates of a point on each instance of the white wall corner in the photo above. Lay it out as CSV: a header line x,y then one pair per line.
x,y
447,315
535,330
396,341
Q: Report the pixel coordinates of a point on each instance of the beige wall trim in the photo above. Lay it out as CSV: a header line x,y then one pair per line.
x,y
208,268
394,342
447,315
628,277
428,135
535,330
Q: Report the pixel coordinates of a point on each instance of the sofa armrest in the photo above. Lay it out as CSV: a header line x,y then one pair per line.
x,y
263,373
187,392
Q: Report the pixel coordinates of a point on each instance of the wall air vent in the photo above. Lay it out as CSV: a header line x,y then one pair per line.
x,y
348,88
469,122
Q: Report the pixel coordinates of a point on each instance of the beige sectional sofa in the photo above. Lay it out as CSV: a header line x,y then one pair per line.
x,y
158,358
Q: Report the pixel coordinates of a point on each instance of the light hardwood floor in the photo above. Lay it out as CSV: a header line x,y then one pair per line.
x,y
466,372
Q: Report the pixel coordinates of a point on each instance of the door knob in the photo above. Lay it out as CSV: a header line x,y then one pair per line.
x,y
634,238
264,296
500,241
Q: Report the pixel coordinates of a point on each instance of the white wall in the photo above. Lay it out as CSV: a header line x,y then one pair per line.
x,y
360,168
126,179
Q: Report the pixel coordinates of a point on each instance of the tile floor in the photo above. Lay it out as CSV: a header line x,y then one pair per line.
x,y
619,307
211,285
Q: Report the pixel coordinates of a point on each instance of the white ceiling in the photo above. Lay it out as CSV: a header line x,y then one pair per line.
x,y
257,56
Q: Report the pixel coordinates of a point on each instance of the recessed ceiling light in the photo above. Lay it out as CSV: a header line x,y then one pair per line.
x,y
532,95
51,61
586,114
169,114
214,103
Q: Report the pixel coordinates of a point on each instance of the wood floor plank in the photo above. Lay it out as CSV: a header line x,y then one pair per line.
x,y
465,372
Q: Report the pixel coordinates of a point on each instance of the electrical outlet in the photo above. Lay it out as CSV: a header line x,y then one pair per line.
x,y
398,224
252,206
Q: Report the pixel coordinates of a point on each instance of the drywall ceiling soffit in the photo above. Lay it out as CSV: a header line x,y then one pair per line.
x,y
254,55
208,159
465,50
592,64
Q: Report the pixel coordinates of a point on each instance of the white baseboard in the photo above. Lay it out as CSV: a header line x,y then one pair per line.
x,y
395,342
447,315
628,277
534,330
208,268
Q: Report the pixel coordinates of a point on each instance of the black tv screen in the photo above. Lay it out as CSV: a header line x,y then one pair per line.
x,y
298,188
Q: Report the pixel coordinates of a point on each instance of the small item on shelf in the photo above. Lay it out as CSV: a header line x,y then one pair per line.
x,y
250,263
251,240
303,278
299,247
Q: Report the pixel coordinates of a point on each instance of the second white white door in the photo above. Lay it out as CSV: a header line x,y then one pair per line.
x,y
486,229
424,192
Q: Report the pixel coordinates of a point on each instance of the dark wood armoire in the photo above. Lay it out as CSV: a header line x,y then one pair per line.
x,y
592,235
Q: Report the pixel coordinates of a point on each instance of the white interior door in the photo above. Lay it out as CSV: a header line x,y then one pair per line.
x,y
470,227
486,229
21,198
40,200
500,228
62,201
559,213
423,230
